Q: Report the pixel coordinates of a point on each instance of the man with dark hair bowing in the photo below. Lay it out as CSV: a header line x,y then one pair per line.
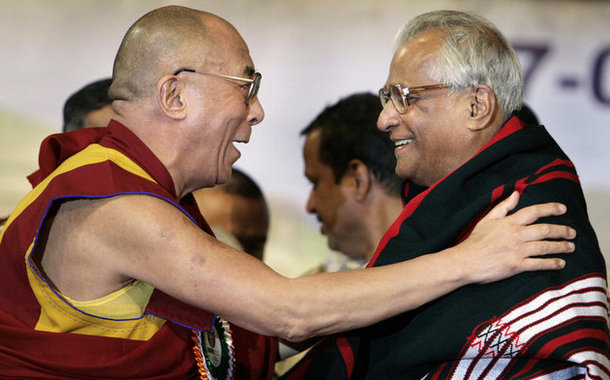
x,y
108,270
449,103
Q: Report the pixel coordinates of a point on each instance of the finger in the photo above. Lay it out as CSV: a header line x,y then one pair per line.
x,y
503,208
547,231
530,214
546,247
529,265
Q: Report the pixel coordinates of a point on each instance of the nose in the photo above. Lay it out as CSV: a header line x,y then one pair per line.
x,y
256,114
310,205
388,118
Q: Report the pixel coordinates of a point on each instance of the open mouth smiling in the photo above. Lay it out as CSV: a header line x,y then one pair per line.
x,y
404,142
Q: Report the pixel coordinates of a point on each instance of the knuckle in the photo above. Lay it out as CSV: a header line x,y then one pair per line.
x,y
543,247
537,210
545,230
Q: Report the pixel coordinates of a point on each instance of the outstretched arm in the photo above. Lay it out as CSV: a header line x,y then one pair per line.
x,y
500,246
144,238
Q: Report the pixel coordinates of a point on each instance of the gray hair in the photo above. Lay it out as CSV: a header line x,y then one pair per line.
x,y
473,52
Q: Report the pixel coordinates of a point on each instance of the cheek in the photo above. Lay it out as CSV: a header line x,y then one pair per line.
x,y
234,105
322,205
333,207
426,139
324,200
220,141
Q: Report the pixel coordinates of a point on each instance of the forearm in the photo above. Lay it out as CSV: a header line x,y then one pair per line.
x,y
327,303
499,247
363,297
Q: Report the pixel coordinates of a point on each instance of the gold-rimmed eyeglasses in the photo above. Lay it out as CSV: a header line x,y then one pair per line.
x,y
255,83
401,96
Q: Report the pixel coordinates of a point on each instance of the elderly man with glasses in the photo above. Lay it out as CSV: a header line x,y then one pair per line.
x,y
450,107
108,270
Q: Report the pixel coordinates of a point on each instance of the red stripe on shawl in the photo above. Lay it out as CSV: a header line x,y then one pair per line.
x,y
557,162
300,370
348,355
438,372
556,343
394,229
496,194
520,187
511,126
551,346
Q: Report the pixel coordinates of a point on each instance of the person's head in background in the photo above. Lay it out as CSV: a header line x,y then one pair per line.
x,y
351,166
238,207
88,107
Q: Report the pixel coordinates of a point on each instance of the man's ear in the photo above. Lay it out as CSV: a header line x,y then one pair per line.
x,y
172,101
483,107
359,178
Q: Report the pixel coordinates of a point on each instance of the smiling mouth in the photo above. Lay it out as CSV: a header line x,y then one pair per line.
x,y
236,142
400,143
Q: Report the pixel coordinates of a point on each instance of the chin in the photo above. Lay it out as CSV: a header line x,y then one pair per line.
x,y
403,174
223,178
332,244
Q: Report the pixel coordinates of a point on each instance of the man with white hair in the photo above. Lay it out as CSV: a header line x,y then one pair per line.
x,y
450,107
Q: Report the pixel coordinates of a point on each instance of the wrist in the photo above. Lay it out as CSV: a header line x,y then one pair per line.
x,y
458,269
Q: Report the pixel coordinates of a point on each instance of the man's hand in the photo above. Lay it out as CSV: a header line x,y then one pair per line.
x,y
503,245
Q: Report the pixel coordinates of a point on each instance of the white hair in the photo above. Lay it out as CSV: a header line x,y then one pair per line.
x,y
473,52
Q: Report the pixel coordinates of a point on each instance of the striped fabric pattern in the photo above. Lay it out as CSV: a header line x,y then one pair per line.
x,y
549,324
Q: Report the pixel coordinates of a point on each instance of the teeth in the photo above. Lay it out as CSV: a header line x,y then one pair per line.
x,y
403,142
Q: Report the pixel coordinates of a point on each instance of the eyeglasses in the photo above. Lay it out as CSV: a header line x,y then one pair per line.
x,y
400,95
255,83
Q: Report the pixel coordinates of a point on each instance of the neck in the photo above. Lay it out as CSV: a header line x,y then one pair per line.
x,y
386,209
154,133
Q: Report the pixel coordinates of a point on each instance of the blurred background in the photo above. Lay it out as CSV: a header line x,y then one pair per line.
x,y
311,54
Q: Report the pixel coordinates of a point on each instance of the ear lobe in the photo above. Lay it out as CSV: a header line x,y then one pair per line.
x,y
171,100
482,107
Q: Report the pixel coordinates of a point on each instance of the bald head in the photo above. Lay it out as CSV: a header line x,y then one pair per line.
x,y
169,84
162,42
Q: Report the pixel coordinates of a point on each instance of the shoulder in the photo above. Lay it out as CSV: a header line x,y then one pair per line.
x,y
125,222
103,243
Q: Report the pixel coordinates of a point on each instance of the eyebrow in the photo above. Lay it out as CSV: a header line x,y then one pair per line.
x,y
249,71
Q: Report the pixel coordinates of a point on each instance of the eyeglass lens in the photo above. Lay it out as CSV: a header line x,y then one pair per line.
x,y
398,98
254,86
383,97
